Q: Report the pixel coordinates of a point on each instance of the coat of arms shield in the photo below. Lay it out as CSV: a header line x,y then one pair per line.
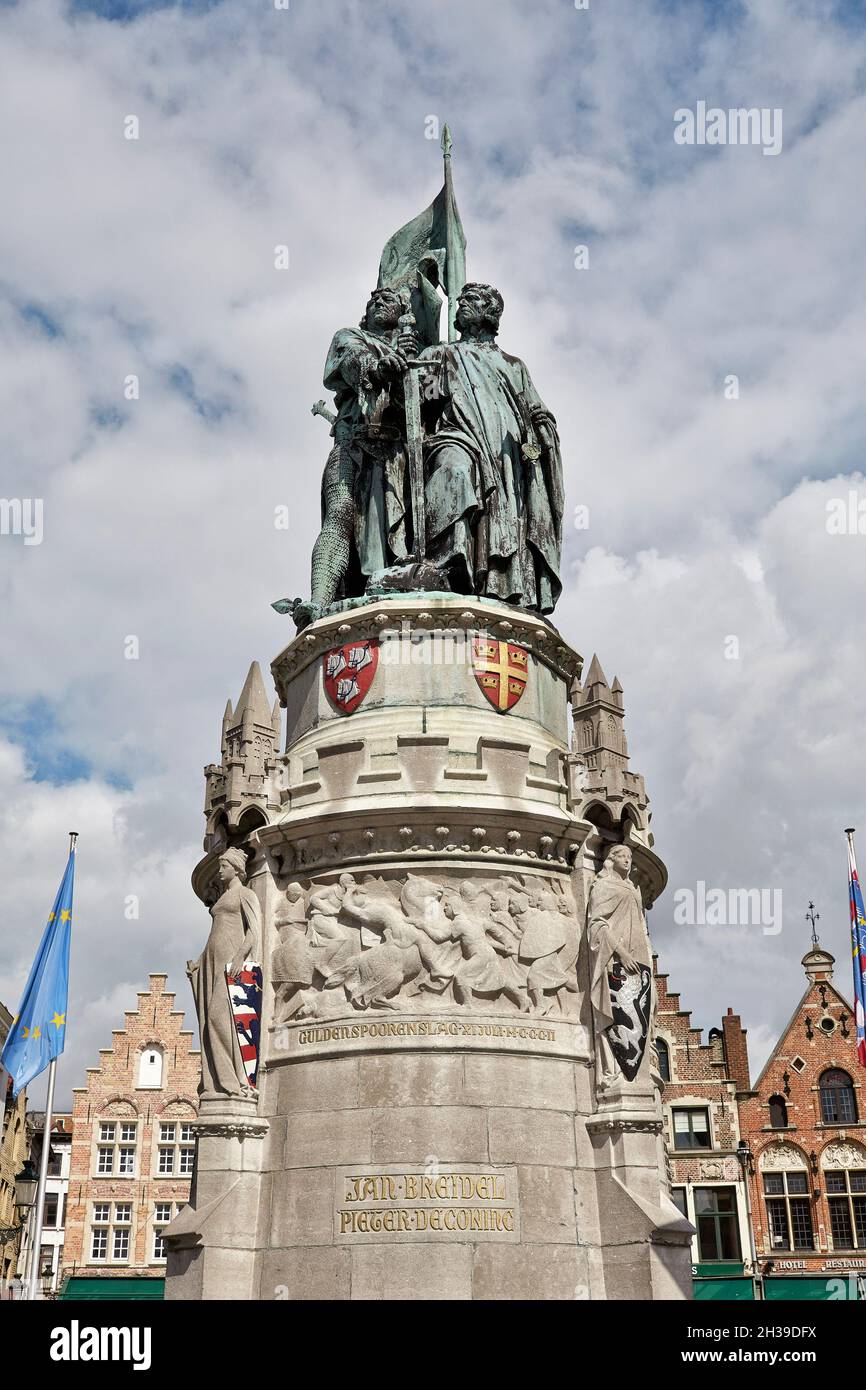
x,y
501,670
349,672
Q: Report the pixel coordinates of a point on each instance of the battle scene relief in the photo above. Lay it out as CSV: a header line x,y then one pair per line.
x,y
416,942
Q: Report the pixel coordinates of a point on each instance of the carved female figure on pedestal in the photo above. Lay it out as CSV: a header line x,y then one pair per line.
x,y
235,937
621,987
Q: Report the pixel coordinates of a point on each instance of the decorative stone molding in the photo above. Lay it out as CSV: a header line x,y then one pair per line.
x,y
458,614
118,1107
317,850
232,1129
844,1155
624,1123
782,1157
715,1169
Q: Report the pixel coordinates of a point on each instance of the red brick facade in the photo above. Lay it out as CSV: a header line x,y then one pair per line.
x,y
808,1149
701,1084
132,1147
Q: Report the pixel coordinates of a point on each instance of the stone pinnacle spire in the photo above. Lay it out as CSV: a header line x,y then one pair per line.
x,y
242,784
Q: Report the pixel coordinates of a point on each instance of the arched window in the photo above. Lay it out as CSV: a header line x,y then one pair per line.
x,y
778,1113
838,1105
150,1068
664,1059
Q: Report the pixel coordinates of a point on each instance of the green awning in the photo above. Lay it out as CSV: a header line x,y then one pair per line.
x,y
736,1290
796,1289
96,1289
718,1269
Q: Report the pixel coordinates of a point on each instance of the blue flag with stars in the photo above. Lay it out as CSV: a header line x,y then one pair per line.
x,y
39,1032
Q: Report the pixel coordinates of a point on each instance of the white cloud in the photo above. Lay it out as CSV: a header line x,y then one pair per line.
x,y
306,127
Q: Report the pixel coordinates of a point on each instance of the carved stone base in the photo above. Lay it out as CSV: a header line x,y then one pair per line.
x,y
427,1078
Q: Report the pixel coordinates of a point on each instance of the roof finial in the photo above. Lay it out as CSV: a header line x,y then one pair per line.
x,y
813,917
446,141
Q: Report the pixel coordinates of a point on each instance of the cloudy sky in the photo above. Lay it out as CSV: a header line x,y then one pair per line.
x,y
307,126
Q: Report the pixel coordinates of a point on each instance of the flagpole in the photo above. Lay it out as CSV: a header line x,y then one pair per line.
x,y
858,948
453,290
36,1246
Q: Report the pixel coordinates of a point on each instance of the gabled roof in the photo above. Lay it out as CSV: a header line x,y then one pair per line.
x,y
811,988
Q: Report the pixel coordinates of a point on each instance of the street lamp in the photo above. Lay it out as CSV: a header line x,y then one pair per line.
x,y
26,1183
747,1165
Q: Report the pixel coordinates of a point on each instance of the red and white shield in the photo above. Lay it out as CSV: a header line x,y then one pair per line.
x,y
349,672
501,670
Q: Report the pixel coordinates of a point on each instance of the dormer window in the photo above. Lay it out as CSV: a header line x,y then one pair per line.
x,y
150,1069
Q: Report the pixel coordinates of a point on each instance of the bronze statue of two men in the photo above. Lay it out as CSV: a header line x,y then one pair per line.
x,y
455,431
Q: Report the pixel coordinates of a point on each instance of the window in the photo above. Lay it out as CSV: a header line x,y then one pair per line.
x,y
716,1220
789,1211
162,1216
111,1229
691,1129
49,1210
664,1057
176,1151
798,1064
778,1113
678,1197
846,1198
150,1069
115,1153
838,1105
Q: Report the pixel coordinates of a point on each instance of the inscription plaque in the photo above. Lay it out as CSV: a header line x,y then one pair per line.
x,y
461,1202
409,1032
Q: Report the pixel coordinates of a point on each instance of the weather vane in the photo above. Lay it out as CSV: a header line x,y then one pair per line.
x,y
813,917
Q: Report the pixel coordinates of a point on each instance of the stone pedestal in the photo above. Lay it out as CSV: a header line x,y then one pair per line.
x,y
428,1122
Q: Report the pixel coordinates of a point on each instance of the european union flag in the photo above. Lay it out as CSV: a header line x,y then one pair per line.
x,y
38,1034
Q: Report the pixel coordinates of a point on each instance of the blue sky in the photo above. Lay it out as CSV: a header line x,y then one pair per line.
x,y
154,258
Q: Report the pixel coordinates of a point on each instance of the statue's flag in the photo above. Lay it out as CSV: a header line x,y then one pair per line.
x,y
429,251
858,948
38,1033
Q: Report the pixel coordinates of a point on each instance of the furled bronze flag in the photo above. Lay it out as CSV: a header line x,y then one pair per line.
x,y
429,252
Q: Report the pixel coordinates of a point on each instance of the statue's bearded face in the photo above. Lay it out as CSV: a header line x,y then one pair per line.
x,y
383,311
478,307
471,310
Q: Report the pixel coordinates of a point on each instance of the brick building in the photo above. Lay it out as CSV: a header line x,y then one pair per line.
x,y
133,1150
702,1083
13,1152
805,1123
49,1270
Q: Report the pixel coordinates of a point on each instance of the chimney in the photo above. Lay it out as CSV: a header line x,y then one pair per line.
x,y
736,1050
